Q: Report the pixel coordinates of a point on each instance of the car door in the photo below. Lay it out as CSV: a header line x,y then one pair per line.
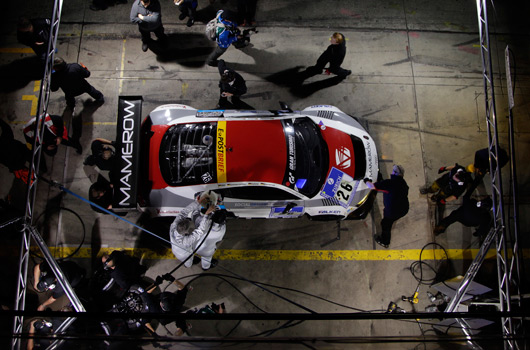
x,y
259,201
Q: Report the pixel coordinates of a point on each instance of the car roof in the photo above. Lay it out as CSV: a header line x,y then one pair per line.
x,y
256,151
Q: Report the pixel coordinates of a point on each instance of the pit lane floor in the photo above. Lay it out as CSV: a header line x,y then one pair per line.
x,y
416,84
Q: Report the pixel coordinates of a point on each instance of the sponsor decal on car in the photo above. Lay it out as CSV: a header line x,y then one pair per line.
x,y
369,157
340,186
277,212
288,129
206,113
221,151
343,158
321,106
206,177
128,139
334,212
251,204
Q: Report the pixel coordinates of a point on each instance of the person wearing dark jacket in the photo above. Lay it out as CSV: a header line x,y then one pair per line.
x,y
395,199
103,154
45,280
481,163
34,33
147,14
231,85
449,186
101,192
471,213
70,77
124,269
54,134
334,55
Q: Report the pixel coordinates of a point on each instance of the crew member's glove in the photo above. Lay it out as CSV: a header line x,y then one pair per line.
x,y
367,180
159,280
441,170
169,277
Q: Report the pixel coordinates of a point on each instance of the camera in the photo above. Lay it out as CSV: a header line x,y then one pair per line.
x,y
244,41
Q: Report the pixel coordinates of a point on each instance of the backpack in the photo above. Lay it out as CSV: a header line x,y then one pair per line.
x,y
215,27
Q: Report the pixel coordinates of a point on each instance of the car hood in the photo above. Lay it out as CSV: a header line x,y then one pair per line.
x,y
251,151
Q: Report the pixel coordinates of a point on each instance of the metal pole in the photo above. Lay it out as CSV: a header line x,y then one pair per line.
x,y
42,107
65,284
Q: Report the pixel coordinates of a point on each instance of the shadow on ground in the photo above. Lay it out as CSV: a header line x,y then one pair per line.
x,y
186,49
19,73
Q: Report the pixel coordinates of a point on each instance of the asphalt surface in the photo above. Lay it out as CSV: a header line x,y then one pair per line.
x,y
416,85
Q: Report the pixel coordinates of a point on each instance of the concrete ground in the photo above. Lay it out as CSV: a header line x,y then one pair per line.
x,y
416,85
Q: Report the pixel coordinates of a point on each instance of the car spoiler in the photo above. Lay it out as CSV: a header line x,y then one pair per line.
x,y
127,153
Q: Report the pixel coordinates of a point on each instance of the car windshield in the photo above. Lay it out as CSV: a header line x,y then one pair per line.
x,y
311,160
187,154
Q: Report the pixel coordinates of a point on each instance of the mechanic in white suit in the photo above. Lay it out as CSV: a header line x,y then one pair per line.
x,y
184,240
209,246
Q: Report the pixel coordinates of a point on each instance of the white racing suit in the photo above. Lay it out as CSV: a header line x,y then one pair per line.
x,y
207,249
202,223
183,246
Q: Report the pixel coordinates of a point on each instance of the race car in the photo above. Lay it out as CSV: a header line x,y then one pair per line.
x,y
263,164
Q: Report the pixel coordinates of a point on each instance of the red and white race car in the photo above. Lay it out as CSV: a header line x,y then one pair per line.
x,y
264,164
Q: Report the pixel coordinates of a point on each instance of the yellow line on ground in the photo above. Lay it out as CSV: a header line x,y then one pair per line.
x,y
16,50
34,101
292,255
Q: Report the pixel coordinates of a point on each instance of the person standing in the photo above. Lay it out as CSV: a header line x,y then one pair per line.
x,y
334,55
185,239
209,246
34,33
70,77
188,8
396,203
231,85
246,10
147,14
227,33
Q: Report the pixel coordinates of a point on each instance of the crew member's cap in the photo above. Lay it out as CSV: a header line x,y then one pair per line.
x,y
398,170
